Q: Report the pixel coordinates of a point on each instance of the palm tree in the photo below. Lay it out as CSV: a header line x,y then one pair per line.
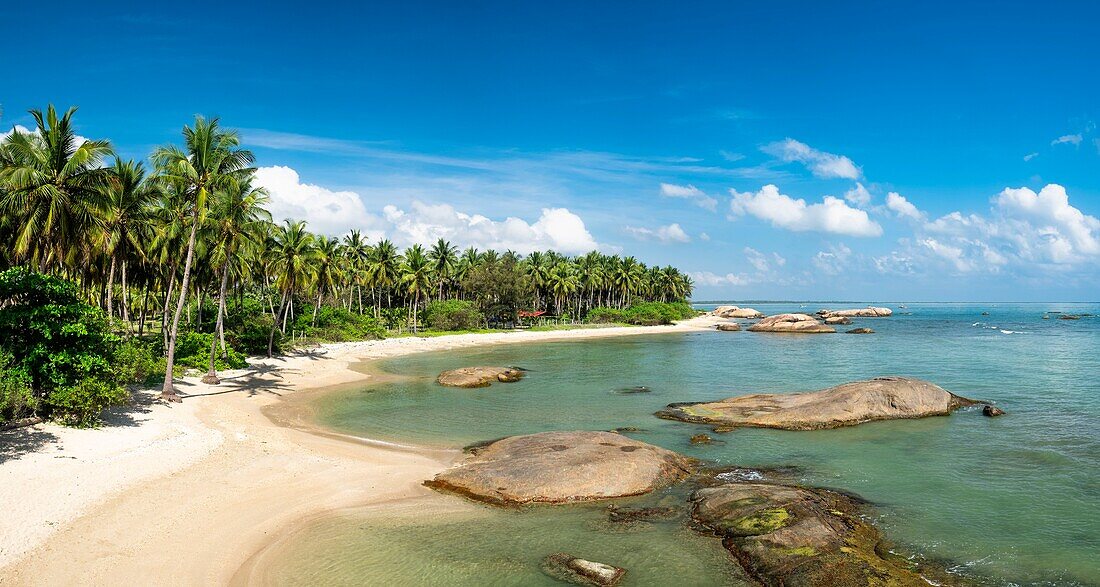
x,y
384,270
127,213
357,253
326,272
238,214
444,258
210,160
293,254
416,277
54,184
562,281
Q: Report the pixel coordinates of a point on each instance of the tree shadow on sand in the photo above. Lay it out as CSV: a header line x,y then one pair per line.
x,y
20,441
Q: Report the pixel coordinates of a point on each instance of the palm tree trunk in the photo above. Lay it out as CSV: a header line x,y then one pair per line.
x,y
211,377
125,298
164,310
168,392
111,289
316,307
274,327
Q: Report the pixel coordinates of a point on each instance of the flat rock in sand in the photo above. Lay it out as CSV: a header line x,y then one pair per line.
x,y
479,376
881,398
783,535
562,467
796,323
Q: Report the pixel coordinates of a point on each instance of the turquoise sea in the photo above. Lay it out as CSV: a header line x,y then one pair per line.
x,y
1007,501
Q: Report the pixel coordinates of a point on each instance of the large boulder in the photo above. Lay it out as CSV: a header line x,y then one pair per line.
x,y
736,312
838,320
868,312
563,467
784,535
479,376
881,398
798,323
729,326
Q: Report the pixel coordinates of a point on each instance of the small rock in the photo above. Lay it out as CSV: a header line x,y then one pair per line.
x,y
621,515
985,313
632,390
479,376
992,411
729,327
860,331
1069,317
579,571
701,439
838,320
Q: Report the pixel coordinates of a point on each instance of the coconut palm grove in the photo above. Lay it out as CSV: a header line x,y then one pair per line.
x,y
119,272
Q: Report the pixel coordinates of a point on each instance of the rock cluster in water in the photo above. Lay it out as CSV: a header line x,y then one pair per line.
x,y
736,312
562,467
479,376
579,571
728,326
860,331
868,312
796,323
881,398
784,535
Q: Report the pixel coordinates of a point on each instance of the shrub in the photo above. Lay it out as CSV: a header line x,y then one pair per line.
x,y
193,350
136,361
16,398
605,315
250,336
643,313
336,324
81,404
453,315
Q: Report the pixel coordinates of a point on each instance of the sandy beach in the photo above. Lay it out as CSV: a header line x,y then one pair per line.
x,y
186,494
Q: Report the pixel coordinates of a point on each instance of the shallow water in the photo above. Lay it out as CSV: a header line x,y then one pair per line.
x,y
1006,500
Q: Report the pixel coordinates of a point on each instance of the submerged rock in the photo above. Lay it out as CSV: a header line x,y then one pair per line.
x,y
881,398
1069,317
783,535
622,515
701,439
562,467
992,411
838,320
479,376
729,327
800,323
860,331
579,571
868,312
633,390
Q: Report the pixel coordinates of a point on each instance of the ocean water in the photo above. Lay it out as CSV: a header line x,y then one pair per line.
x,y
1008,501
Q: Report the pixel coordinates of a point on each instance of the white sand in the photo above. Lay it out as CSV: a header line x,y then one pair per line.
x,y
184,494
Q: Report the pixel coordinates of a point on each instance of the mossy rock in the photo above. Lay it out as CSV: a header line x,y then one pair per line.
x,y
761,522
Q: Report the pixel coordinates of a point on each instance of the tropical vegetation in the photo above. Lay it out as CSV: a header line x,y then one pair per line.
x,y
177,263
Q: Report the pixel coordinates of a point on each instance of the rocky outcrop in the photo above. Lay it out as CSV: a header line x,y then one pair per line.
x,y
791,536
729,326
479,376
860,331
701,439
992,411
736,312
568,568
838,320
868,312
881,398
797,323
563,467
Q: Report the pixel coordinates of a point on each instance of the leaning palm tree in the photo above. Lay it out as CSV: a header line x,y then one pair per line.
x,y
237,214
127,212
416,277
211,158
54,183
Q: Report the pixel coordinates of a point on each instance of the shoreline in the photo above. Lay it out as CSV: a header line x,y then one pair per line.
x,y
191,493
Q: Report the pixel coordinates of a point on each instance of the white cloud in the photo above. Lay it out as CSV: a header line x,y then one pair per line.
x,y
325,211
1030,156
24,130
820,163
704,236
763,262
831,215
689,192
731,156
1051,209
1074,140
665,234
903,207
336,212
833,261
953,255
858,195
712,279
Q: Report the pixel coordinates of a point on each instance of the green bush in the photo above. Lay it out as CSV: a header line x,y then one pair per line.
x,y
453,315
336,324
81,404
250,337
136,361
643,313
193,350
16,398
60,343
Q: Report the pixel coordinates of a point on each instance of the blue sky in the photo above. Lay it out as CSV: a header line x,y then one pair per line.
x,y
652,129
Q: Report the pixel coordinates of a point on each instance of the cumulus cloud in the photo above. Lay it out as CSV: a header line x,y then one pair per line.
x,y
831,215
820,163
1053,216
833,261
1074,140
903,207
665,234
858,195
712,279
689,192
763,262
336,212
